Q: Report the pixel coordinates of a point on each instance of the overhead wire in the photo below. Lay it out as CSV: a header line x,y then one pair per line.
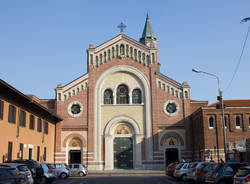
x,y
242,51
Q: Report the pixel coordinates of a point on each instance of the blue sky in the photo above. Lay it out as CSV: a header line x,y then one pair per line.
x,y
43,43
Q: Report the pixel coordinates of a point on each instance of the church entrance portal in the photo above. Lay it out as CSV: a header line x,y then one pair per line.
x,y
74,156
171,155
123,153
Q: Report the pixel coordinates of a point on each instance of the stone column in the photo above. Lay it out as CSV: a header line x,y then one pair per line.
x,y
109,156
138,151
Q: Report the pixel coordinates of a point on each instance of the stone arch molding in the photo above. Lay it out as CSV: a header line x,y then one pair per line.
x,y
172,134
74,135
147,106
109,129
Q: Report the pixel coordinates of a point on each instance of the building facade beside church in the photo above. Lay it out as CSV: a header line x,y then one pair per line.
x,y
123,113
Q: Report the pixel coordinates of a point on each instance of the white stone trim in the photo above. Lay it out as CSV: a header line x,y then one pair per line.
x,y
69,109
177,108
97,109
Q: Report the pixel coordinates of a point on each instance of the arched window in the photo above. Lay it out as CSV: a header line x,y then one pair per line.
x,y
131,52
211,122
127,50
113,52
143,58
135,54
105,57
108,96
148,60
153,58
122,50
186,94
139,56
109,55
96,61
225,120
136,96
122,94
100,59
238,122
117,51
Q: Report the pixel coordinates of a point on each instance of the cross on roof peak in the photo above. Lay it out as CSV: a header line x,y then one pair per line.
x,y
121,26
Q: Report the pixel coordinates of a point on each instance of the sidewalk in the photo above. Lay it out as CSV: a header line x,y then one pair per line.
x,y
124,172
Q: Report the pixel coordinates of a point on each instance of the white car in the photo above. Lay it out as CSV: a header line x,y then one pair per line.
x,y
78,169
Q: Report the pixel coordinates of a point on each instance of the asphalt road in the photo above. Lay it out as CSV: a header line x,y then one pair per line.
x,y
119,180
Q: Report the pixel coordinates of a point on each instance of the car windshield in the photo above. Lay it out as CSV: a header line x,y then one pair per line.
x,y
209,167
192,165
179,166
242,172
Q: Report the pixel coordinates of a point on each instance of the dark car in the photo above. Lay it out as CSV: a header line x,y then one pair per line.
x,y
35,168
170,168
202,170
10,175
223,173
242,176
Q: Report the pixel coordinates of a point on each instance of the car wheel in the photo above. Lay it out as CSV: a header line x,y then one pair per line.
x,y
63,175
81,174
184,177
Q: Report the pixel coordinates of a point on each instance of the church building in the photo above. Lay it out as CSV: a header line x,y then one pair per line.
x,y
124,113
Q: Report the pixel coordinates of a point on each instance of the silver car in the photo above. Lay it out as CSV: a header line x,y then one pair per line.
x,y
192,170
23,170
62,170
78,169
181,171
49,172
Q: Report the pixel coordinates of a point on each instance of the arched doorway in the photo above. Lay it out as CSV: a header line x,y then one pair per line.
x,y
75,151
171,152
123,147
122,144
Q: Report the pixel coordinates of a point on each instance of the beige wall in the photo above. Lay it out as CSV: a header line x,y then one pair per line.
x,y
29,138
134,111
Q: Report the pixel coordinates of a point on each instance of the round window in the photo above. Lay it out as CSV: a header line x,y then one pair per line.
x,y
171,107
75,109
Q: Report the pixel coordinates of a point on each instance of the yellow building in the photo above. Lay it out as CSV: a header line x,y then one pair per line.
x,y
27,129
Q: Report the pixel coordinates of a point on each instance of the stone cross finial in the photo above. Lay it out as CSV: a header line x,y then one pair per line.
x,y
121,26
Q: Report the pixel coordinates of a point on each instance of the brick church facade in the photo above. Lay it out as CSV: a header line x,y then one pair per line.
x,y
123,113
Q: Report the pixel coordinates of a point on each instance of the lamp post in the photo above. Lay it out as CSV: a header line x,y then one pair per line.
x,y
221,106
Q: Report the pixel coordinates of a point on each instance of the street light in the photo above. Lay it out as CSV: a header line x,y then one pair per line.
x,y
221,106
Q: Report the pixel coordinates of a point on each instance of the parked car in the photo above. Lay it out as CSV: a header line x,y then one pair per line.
x,y
62,170
202,170
23,170
223,173
192,170
170,168
181,171
49,172
242,176
78,169
10,175
35,168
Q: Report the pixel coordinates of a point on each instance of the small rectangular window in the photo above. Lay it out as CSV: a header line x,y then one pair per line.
x,y
12,114
46,128
32,122
22,118
211,122
159,83
1,109
20,151
38,153
10,144
44,154
238,122
39,125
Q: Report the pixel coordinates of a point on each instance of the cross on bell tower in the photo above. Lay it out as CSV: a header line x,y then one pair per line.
x,y
121,26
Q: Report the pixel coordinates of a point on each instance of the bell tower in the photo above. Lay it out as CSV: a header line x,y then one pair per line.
x,y
148,37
